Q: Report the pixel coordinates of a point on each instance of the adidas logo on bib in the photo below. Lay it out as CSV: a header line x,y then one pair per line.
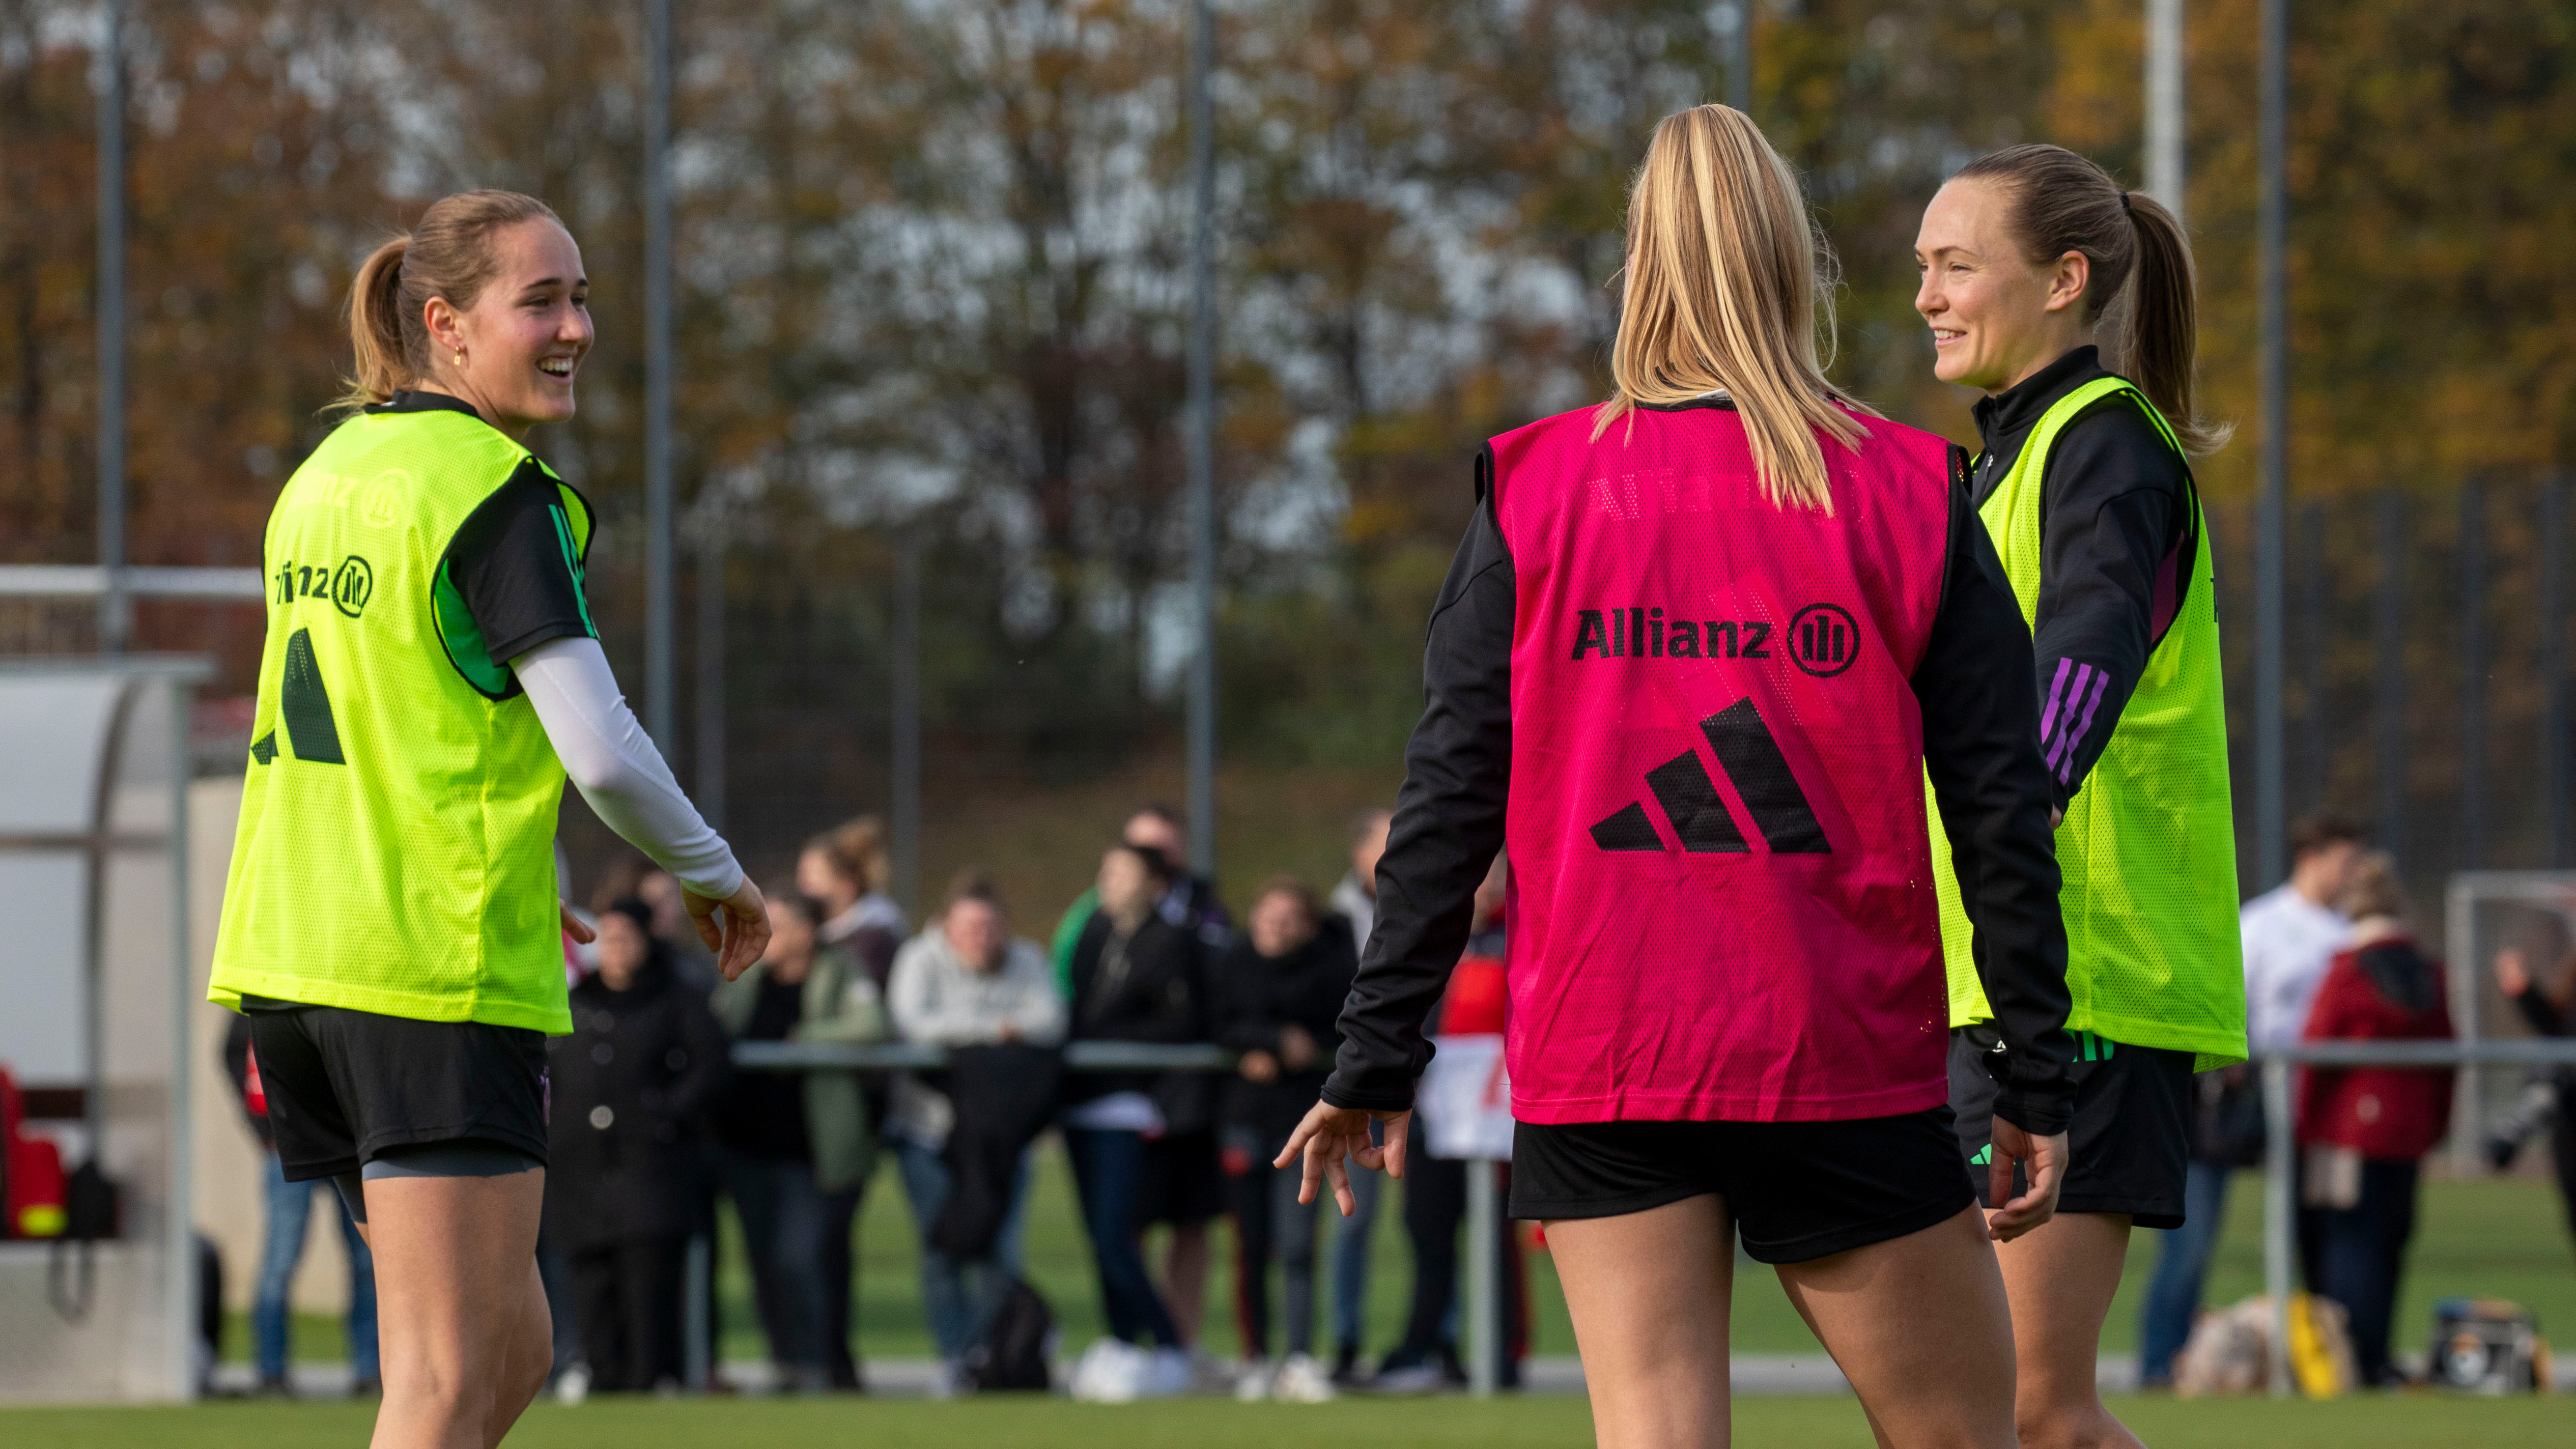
x,y
1749,754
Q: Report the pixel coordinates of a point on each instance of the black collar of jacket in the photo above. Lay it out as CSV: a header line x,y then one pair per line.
x,y
2006,418
422,400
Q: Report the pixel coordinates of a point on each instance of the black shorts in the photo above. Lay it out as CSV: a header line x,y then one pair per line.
x,y
345,1085
1798,1190
2128,1142
1184,1182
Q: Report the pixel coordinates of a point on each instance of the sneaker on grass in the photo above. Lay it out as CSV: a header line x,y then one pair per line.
x,y
1111,1371
1252,1383
1302,1380
1168,1373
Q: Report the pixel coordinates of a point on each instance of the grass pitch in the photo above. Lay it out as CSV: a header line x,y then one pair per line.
x,y
2379,1422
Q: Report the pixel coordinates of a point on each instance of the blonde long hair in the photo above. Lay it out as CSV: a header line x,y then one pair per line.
x,y
1728,287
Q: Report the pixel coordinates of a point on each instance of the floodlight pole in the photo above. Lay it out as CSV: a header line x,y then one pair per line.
x,y
115,613
658,544
2271,826
2280,1220
2165,125
1202,445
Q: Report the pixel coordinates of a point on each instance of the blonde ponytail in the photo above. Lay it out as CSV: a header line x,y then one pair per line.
x,y
1728,287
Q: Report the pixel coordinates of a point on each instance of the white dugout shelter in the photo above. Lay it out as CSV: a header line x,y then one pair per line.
x,y
94,1012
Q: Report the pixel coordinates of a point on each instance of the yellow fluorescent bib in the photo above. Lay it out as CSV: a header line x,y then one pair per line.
x,y
396,849
2148,848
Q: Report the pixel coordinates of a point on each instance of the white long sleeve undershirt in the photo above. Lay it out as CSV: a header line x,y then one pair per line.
x,y
617,769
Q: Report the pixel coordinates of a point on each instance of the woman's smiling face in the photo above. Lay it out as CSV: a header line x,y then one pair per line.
x,y
1996,318
526,334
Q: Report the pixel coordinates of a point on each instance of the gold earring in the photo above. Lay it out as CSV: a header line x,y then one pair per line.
x,y
460,359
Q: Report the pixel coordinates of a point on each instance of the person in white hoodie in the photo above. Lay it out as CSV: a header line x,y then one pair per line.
x,y
2293,931
964,981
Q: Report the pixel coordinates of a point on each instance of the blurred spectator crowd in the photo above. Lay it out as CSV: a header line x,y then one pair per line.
x,y
2332,955
652,1124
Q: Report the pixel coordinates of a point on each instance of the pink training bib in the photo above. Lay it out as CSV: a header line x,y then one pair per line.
x,y
1721,896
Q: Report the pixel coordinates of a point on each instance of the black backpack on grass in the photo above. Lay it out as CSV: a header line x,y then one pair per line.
x,y
1015,1350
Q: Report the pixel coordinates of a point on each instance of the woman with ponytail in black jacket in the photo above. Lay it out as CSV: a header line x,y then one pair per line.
x,y
2083,480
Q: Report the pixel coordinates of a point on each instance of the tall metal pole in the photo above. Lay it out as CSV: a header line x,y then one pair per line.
x,y
1739,57
2271,825
115,613
180,1227
907,719
2389,644
1485,1231
2553,667
659,706
1202,444
2473,674
2165,128
710,792
2280,1221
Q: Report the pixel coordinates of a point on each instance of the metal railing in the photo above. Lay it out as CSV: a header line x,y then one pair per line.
x,y
1080,1056
147,581
2280,1149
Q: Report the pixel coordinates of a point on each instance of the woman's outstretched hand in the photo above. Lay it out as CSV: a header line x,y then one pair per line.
x,y
1331,1138
736,928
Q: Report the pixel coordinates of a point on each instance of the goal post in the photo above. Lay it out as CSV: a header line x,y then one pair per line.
x,y
2484,912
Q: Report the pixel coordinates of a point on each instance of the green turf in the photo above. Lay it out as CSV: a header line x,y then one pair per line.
x,y
2502,1236
2405,1422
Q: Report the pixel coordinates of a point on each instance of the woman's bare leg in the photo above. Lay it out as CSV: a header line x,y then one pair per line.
x,y
460,1312
530,1356
2061,1276
1649,1294
1185,1277
1920,1326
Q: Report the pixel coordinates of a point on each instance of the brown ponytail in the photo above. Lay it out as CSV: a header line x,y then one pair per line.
x,y
449,254
2140,259
375,327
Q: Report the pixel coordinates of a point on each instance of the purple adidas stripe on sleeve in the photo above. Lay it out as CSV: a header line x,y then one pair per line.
x,y
2069,740
2056,688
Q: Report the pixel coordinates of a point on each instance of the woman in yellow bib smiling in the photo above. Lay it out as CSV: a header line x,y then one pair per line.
x,y
2084,481
431,674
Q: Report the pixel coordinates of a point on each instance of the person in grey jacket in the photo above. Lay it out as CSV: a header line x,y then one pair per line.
x,y
964,981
